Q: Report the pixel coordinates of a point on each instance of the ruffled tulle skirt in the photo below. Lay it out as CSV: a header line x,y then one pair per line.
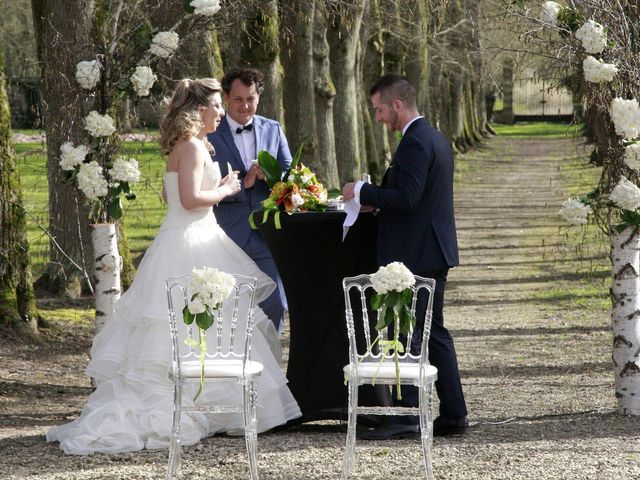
x,y
132,406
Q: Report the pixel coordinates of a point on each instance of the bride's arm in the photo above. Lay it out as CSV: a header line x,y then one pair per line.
x,y
190,171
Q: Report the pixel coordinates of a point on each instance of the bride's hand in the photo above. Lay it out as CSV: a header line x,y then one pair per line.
x,y
231,183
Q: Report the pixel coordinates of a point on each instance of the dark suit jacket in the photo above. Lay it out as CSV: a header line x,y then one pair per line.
x,y
416,223
233,212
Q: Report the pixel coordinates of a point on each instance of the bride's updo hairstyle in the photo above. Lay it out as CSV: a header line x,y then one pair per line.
x,y
181,119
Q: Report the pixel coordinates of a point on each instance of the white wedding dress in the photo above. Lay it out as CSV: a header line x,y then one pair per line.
x,y
131,408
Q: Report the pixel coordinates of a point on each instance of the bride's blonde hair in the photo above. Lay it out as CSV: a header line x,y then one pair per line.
x,y
181,119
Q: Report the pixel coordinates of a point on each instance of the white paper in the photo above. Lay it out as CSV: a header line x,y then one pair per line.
x,y
352,209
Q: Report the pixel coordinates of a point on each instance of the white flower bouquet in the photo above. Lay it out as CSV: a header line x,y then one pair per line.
x,y
392,300
209,287
575,212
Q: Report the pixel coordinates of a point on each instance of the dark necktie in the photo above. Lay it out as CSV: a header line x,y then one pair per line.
x,y
246,127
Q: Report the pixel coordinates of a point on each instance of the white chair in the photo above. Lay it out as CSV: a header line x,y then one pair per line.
x,y
369,365
228,359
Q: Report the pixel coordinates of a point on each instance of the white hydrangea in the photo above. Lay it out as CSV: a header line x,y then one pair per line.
x,y
124,170
549,13
91,181
596,71
297,199
574,211
71,156
393,277
88,74
591,35
625,115
99,125
626,195
205,7
632,156
305,178
211,287
143,79
163,44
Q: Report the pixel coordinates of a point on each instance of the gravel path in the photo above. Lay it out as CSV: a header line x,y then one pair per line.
x,y
533,344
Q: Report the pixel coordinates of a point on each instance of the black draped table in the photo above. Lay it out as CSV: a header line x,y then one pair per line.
x,y
312,261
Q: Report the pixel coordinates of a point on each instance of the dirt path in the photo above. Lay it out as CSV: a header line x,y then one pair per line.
x,y
533,345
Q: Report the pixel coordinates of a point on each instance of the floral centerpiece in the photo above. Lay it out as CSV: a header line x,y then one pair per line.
x,y
392,284
299,191
209,287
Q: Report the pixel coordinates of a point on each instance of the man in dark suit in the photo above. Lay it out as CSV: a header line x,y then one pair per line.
x,y
416,226
237,141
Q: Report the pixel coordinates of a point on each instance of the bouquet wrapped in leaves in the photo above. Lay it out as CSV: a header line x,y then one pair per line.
x,y
297,190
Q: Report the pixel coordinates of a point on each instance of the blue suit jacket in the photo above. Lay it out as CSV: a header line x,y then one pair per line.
x,y
416,223
233,212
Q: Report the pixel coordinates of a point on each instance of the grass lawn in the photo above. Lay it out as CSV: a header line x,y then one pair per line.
x,y
142,216
538,129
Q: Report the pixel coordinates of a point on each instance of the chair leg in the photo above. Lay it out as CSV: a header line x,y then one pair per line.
x,y
174,446
349,454
426,425
249,401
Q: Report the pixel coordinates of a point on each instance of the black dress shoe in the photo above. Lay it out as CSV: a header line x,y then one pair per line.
x,y
390,431
443,426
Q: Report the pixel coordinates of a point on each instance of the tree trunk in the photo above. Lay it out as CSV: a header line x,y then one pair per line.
x,y
625,318
327,165
260,49
377,149
343,35
62,36
17,300
107,267
297,60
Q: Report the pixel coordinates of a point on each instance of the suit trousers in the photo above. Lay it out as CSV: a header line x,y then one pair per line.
x,y
442,355
257,249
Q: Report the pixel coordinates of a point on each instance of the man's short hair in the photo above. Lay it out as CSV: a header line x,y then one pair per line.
x,y
248,76
394,86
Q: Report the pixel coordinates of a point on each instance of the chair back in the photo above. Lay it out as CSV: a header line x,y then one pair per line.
x,y
364,339
229,338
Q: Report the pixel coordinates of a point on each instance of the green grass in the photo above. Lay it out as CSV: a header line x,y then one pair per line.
x,y
537,129
142,216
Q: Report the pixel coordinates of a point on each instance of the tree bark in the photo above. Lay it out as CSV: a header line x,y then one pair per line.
x,y
63,36
343,35
296,47
17,299
625,318
327,165
260,49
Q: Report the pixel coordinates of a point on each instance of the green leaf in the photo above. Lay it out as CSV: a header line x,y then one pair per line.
x,y
265,217
376,301
125,187
114,191
276,220
333,193
187,6
205,320
252,222
187,316
130,196
296,157
270,167
114,209
407,296
382,318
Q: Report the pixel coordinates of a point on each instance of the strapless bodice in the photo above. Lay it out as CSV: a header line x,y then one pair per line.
x,y
179,217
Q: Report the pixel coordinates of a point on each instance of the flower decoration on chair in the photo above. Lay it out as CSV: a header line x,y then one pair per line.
x,y
392,300
209,287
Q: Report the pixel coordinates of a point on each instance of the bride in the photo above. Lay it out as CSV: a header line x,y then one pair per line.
x,y
131,408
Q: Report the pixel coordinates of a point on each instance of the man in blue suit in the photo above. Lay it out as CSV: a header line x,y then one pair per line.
x,y
237,141
416,226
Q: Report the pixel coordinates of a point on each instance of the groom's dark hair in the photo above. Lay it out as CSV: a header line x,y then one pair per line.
x,y
248,76
392,86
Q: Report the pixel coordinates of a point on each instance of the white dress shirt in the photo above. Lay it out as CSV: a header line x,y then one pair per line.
x,y
245,141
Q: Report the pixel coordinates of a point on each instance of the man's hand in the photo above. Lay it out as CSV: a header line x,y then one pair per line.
x,y
348,191
254,173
